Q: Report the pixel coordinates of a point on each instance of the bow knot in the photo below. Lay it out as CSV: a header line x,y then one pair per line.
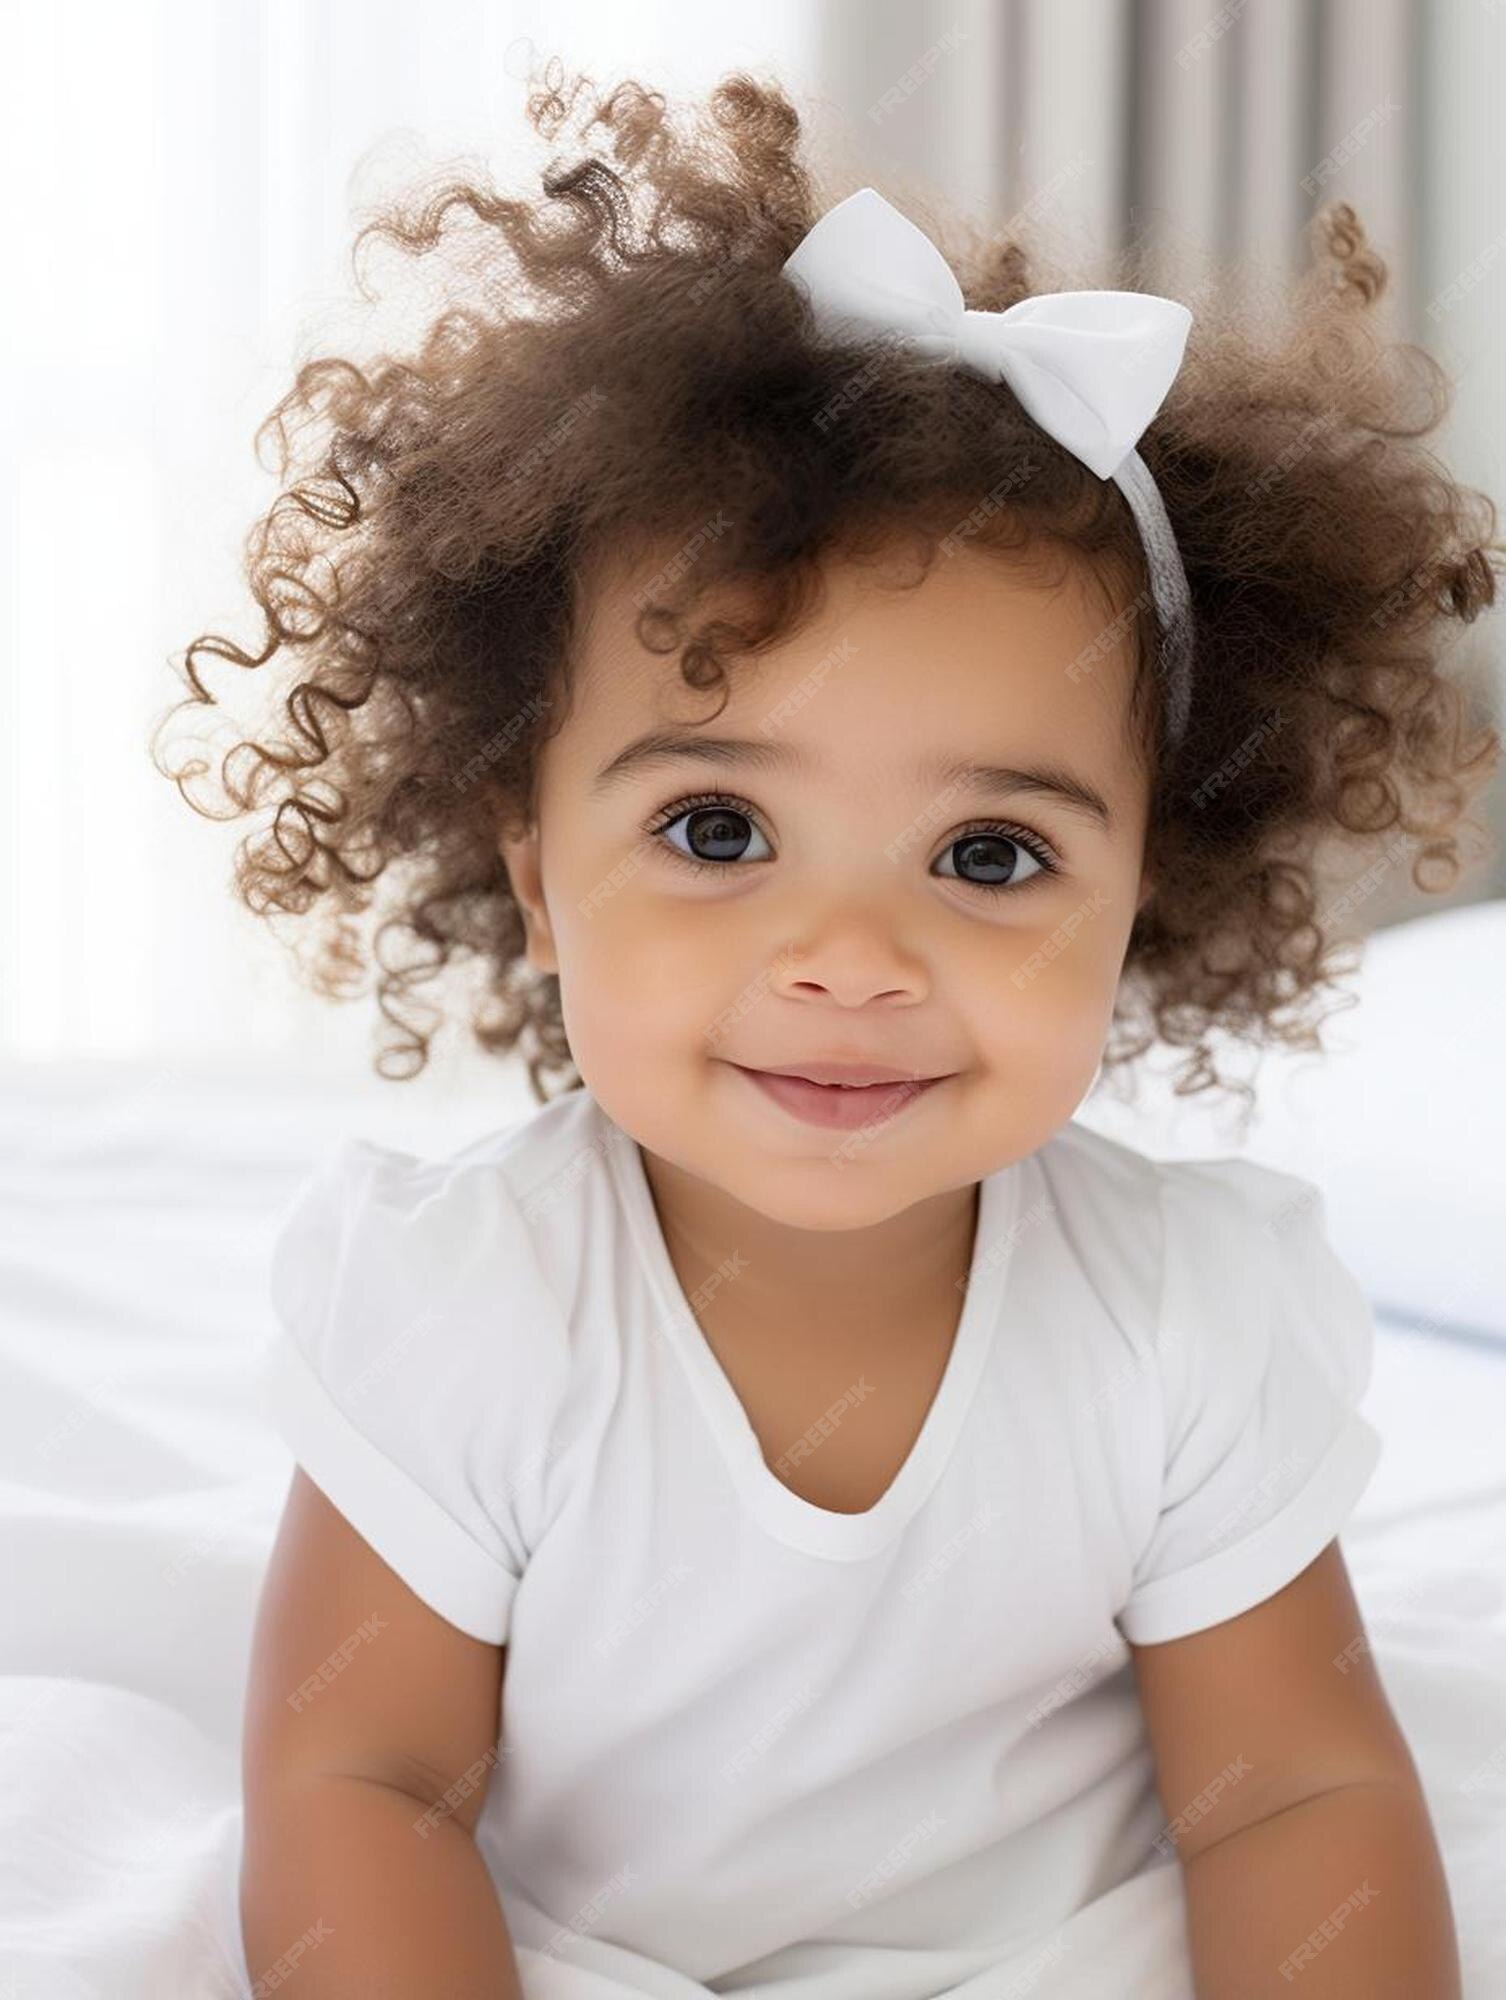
x,y
1091,368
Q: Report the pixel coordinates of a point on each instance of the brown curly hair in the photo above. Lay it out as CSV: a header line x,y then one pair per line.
x,y
637,367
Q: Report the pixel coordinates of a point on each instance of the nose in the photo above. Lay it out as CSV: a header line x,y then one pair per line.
x,y
853,963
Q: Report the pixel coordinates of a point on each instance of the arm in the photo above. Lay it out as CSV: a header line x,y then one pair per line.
x,y
1294,1805
1344,1888
370,1735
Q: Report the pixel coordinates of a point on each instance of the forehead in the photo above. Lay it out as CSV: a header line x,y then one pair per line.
x,y
985,654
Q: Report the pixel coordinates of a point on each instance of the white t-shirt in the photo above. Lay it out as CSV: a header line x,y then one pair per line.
x,y
750,1740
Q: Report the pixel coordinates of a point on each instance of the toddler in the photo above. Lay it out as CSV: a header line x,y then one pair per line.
x,y
798,1514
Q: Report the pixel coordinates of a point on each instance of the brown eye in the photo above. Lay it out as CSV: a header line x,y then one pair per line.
x,y
717,831
993,860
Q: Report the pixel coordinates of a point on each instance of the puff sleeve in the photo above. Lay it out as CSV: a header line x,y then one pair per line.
x,y
1265,1346
417,1369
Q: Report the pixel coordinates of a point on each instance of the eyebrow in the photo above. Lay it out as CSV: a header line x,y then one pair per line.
x,y
664,746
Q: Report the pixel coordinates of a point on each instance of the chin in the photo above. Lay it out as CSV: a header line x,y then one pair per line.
x,y
821,1193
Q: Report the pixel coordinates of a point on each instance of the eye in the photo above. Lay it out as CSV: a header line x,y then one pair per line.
x,y
985,848
716,827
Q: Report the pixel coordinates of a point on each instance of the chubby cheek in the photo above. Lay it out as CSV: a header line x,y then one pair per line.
x,y
642,979
1055,1001
1041,999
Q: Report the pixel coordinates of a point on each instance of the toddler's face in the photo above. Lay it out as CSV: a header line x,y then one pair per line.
x,y
849,905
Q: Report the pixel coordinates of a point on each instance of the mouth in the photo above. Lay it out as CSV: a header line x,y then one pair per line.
x,y
844,1105
844,1075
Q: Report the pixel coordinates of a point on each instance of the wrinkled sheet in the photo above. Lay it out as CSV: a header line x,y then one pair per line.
x,y
140,1484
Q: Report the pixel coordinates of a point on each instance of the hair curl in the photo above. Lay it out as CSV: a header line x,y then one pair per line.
x,y
639,367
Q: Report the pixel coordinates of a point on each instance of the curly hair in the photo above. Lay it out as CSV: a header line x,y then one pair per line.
x,y
636,367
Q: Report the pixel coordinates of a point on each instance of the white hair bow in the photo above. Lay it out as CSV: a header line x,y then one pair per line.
x,y
1091,368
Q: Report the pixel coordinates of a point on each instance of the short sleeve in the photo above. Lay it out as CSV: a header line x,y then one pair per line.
x,y
417,1368
1265,1344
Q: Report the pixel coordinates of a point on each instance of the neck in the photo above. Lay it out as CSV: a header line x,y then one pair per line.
x,y
849,1281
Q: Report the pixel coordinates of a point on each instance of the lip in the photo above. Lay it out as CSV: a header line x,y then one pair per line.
x,y
835,1108
853,1074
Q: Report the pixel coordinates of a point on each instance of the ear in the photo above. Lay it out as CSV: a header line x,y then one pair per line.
x,y
520,856
1147,890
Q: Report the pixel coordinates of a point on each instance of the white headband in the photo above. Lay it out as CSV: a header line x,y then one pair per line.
x,y
1091,368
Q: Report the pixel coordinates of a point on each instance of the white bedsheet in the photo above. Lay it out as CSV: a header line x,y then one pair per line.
x,y
141,1484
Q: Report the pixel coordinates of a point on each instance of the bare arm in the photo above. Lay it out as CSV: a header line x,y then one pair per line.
x,y
369,1740
341,1900
1294,1805
1343,1891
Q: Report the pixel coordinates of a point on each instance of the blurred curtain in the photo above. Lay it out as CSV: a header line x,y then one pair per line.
x,y
1215,130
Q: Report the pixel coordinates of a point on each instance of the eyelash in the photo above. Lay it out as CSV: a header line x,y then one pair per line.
x,y
1032,843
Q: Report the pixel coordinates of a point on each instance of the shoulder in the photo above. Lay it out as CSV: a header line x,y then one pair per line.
x,y
394,1233
425,1354
379,1244
1244,1348
1102,1201
1264,1345
1199,1233
1249,1265
1087,1168
419,1297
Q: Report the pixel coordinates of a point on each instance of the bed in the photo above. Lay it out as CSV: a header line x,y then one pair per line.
x,y
142,1478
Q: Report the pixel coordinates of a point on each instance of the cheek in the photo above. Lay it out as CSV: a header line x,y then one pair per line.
x,y
638,969
1051,998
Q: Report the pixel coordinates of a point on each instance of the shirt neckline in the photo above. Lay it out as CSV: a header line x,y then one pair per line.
x,y
784,1514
